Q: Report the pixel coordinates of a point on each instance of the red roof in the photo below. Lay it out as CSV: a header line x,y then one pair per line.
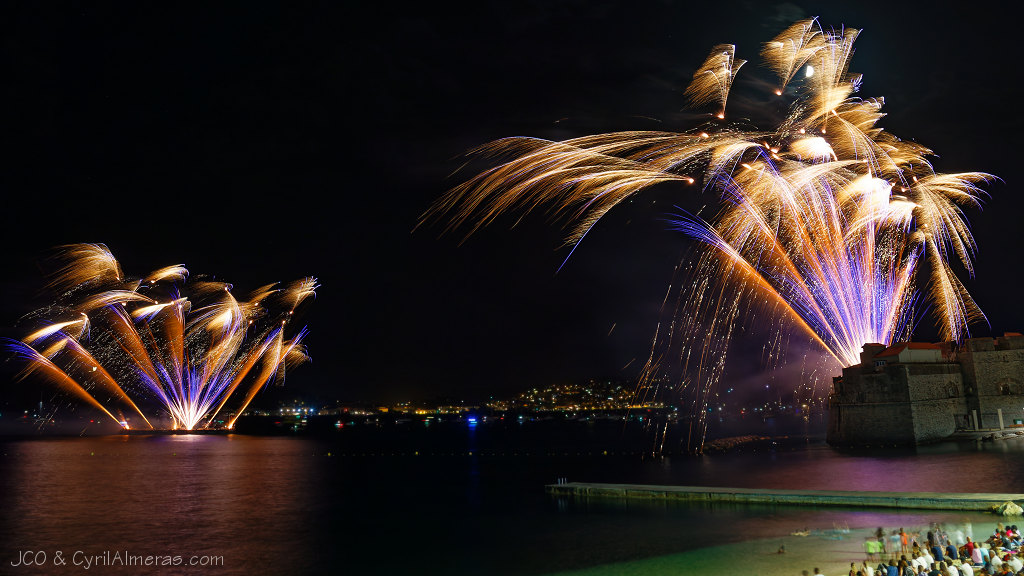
x,y
895,349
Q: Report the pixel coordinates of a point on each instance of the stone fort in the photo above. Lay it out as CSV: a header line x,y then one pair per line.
x,y
915,392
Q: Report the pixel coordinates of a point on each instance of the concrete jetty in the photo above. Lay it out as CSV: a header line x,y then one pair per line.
x,y
915,500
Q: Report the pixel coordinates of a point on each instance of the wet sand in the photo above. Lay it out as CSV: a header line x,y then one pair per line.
x,y
829,549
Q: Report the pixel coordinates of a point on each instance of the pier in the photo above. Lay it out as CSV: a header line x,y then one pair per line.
x,y
912,500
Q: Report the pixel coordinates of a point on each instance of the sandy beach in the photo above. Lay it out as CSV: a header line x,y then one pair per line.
x,y
828,548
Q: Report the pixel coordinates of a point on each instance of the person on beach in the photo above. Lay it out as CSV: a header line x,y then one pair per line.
x,y
879,549
817,571
976,555
951,552
1016,564
867,569
926,559
966,569
936,551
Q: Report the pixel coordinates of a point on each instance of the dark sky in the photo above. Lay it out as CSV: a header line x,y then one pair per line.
x,y
261,143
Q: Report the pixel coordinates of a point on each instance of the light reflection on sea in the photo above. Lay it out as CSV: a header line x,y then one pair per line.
x,y
417,501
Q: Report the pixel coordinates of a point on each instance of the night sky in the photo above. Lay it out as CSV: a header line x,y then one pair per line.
x,y
258,143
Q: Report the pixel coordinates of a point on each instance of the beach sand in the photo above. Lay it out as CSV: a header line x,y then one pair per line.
x,y
829,549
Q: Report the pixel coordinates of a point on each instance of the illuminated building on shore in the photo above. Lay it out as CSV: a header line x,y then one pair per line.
x,y
913,392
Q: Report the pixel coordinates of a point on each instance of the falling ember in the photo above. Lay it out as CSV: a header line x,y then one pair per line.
x,y
187,346
808,233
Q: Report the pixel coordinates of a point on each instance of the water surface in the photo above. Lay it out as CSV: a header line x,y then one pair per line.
x,y
451,500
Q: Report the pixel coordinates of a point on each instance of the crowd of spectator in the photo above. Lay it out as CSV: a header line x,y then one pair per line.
x,y
941,550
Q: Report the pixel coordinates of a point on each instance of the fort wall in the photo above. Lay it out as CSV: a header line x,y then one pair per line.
x,y
914,393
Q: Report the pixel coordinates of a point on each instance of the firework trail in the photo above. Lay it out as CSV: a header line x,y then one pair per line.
x,y
822,224
188,345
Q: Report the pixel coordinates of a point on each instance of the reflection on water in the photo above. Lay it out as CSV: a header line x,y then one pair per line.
x,y
161,495
443,500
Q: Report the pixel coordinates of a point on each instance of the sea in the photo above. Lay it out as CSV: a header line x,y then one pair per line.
x,y
446,498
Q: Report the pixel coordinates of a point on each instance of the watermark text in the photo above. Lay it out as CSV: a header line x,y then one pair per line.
x,y
89,560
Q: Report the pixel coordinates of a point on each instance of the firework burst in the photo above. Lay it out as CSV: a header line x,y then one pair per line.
x,y
191,346
823,220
